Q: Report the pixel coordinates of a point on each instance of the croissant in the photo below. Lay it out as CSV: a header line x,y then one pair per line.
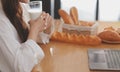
x,y
74,38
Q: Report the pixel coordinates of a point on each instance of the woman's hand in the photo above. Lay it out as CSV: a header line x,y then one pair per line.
x,y
49,23
39,25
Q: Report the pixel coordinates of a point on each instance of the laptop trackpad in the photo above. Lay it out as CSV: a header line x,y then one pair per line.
x,y
97,59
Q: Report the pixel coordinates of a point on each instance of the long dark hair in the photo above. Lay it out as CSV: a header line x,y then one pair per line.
x,y
13,11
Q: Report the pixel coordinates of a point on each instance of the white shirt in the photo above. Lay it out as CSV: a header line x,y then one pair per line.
x,y
14,55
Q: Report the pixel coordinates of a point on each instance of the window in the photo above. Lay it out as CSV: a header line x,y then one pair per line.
x,y
109,10
86,8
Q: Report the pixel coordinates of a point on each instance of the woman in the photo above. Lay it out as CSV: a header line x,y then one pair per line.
x,y
19,51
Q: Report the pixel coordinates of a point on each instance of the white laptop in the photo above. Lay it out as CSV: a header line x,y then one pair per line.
x,y
104,59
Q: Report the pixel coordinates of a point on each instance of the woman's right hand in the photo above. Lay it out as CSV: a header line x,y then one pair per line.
x,y
37,25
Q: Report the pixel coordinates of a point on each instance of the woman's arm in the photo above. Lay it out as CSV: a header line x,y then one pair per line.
x,y
20,57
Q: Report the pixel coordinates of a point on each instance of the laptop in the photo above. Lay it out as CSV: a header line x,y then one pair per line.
x,y
104,59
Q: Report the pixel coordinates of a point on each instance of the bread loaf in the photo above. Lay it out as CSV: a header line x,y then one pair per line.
x,y
74,38
109,35
65,16
109,28
74,14
85,23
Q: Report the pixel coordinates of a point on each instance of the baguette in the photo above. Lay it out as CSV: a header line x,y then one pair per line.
x,y
65,16
74,38
74,14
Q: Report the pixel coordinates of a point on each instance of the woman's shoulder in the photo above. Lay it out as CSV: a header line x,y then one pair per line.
x,y
4,23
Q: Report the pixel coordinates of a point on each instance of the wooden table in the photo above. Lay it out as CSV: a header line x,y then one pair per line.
x,y
67,57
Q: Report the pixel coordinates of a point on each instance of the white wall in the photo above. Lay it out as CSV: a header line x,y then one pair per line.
x,y
109,10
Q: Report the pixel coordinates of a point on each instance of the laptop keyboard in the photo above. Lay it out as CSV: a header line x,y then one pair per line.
x,y
113,58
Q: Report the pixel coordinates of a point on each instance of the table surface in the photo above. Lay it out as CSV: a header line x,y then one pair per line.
x,y
67,57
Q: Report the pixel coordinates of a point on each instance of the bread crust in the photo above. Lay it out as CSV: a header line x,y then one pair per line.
x,y
109,35
74,14
74,38
65,16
